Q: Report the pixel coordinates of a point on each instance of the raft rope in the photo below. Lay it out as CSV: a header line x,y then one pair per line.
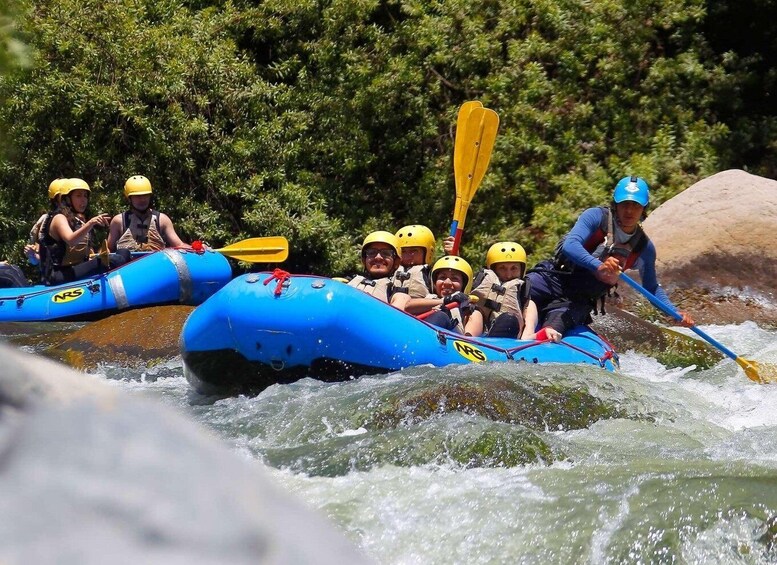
x,y
91,285
510,352
281,276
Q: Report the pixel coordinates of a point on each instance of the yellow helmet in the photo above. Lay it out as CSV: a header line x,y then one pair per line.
x,y
137,185
69,185
55,187
381,237
417,236
457,264
505,252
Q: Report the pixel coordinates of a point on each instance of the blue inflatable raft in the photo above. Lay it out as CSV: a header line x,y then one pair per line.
x,y
260,330
169,276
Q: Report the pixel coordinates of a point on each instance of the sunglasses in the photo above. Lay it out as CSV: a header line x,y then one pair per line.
x,y
385,253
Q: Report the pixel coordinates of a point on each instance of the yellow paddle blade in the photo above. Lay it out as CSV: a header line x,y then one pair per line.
x,y
273,249
461,127
759,372
458,146
477,144
104,254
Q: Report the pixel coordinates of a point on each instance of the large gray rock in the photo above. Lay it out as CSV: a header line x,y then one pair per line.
x,y
89,474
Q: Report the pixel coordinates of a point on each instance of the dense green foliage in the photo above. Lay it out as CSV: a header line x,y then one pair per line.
x,y
322,120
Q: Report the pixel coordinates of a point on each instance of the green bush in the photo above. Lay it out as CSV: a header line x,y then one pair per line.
x,y
321,121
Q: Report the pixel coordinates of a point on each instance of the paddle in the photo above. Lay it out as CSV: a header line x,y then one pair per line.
x,y
461,126
104,254
273,249
767,374
450,306
476,129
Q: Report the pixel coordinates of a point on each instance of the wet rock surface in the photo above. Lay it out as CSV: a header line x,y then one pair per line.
x,y
626,331
145,336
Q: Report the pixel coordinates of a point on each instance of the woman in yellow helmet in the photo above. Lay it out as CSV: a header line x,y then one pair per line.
x,y
504,296
141,228
452,281
33,243
413,277
66,238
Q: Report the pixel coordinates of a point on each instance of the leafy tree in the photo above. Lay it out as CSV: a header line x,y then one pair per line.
x,y
151,88
324,120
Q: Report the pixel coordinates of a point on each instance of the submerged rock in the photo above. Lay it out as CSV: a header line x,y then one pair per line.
x,y
537,407
628,332
142,337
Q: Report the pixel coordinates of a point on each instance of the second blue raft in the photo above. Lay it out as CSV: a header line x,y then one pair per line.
x,y
170,276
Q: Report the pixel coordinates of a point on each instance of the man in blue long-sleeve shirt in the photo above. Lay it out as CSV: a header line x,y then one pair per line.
x,y
589,258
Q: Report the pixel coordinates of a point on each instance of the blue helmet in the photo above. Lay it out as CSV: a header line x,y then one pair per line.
x,y
632,188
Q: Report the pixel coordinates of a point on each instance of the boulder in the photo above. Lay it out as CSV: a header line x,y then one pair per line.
x,y
141,337
625,332
90,474
713,242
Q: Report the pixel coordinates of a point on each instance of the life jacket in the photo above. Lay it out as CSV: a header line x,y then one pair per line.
x,y
497,298
379,288
35,239
602,244
56,254
455,314
415,281
137,235
35,232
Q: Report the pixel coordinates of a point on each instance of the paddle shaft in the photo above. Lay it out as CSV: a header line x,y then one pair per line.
x,y
666,309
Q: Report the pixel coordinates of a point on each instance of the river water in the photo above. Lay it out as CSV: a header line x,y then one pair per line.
x,y
655,465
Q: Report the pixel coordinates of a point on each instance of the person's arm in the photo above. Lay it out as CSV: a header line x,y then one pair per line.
x,y
168,232
417,306
114,233
647,272
399,300
61,230
530,318
474,325
586,226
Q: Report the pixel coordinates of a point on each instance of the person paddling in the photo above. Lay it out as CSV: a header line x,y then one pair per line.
x,y
141,228
66,238
590,257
